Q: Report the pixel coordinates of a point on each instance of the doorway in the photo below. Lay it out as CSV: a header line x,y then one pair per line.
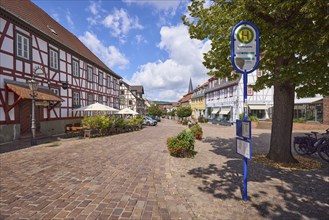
x,y
25,116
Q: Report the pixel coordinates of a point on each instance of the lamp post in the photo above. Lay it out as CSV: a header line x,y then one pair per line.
x,y
33,85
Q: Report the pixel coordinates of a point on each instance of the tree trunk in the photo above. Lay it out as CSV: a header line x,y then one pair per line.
x,y
282,121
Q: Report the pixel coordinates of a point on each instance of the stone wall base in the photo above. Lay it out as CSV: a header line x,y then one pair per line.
x,y
11,132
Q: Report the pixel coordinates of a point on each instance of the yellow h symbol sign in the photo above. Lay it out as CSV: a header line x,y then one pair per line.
x,y
245,35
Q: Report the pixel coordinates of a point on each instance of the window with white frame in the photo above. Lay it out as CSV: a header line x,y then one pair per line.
x,y
90,73
250,91
114,84
55,91
90,99
225,93
100,78
53,59
109,82
75,68
76,99
230,91
100,99
22,46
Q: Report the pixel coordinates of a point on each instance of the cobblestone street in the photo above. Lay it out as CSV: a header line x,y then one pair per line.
x,y
132,176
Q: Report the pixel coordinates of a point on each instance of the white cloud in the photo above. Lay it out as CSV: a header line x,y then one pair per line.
x,y
97,12
94,7
120,23
68,18
169,79
110,55
140,39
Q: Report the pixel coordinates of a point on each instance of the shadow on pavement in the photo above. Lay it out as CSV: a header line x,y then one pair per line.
x,y
301,193
22,144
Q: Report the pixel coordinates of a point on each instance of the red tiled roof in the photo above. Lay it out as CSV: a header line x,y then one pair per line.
x,y
42,94
34,16
186,98
204,84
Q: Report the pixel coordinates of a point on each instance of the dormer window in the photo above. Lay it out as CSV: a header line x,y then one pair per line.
x,y
52,30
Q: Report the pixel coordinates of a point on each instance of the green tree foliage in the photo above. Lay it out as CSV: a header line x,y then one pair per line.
x,y
154,110
173,112
184,111
294,44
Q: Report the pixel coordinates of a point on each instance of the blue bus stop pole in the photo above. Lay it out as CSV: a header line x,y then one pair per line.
x,y
245,160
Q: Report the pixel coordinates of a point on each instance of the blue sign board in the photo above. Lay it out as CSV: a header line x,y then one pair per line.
x,y
243,128
243,147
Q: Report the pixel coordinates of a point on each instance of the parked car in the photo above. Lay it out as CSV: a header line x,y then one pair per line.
x,y
157,118
149,121
220,121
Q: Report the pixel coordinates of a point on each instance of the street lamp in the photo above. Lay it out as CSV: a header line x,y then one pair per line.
x,y
33,85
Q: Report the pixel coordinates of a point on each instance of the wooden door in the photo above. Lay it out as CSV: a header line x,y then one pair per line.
x,y
25,115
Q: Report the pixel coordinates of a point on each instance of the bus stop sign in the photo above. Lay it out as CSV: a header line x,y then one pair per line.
x,y
245,47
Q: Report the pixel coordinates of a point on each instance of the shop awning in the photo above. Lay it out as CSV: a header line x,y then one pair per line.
x,y
225,110
214,111
308,100
42,94
258,107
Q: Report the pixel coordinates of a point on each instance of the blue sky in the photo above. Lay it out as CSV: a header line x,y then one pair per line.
x,y
145,42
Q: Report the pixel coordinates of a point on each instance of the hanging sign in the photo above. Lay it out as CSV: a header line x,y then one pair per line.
x,y
245,47
42,103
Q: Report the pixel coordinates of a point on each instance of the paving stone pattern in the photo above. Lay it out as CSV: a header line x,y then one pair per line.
x,y
131,176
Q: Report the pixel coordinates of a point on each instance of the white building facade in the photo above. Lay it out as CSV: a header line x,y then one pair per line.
x,y
224,99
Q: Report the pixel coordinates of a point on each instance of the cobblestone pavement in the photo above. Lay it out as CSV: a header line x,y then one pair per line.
x,y
131,176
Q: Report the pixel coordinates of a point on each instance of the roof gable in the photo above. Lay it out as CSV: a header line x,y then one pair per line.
x,y
33,16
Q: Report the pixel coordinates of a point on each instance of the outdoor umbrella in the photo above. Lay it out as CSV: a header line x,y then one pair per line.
x,y
127,111
97,107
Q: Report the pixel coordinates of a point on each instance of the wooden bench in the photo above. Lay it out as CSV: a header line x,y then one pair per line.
x,y
73,131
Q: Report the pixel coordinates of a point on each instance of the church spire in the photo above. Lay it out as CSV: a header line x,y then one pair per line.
x,y
190,87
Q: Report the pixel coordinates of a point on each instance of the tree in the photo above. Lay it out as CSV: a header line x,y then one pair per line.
x,y
173,113
184,111
154,110
294,45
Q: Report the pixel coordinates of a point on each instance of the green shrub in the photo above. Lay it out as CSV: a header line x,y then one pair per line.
x,y
135,121
251,118
182,145
119,122
299,120
197,131
90,121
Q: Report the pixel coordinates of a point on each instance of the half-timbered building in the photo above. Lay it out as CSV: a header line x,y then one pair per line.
x,y
138,91
127,98
224,99
69,75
